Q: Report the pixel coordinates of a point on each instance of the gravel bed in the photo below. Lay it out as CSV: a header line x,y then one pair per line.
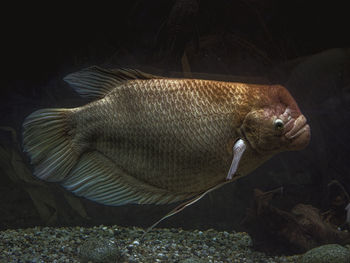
x,y
120,244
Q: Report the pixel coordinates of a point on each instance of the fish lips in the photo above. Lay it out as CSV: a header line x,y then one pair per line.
x,y
297,133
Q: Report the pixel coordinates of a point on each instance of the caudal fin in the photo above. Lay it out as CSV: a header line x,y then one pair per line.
x,y
48,139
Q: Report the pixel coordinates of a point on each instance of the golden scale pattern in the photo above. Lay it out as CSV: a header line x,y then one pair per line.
x,y
171,134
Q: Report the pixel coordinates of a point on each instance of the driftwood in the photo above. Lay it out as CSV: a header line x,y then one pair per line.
x,y
294,231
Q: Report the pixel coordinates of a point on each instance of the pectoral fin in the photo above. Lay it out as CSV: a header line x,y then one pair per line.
x,y
238,150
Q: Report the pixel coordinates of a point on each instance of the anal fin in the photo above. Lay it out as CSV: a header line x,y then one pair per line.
x,y
98,178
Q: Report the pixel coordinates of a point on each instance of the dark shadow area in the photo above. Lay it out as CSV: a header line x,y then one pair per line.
x,y
304,46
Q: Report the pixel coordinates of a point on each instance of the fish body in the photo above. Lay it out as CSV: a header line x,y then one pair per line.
x,y
147,139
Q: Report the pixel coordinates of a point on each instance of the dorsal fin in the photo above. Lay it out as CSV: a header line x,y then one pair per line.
x,y
95,81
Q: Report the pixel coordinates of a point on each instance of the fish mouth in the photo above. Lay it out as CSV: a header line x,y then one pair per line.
x,y
298,133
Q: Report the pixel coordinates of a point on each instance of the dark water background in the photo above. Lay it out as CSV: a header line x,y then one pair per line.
x,y
301,44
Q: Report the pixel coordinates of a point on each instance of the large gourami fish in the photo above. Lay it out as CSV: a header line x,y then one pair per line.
x,y
151,140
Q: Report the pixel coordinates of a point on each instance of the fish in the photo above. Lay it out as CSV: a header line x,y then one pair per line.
x,y
146,139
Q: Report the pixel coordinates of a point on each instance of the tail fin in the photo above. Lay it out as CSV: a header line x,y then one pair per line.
x,y
48,140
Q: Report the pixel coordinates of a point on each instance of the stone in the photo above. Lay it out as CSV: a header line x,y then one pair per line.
x,y
331,253
99,251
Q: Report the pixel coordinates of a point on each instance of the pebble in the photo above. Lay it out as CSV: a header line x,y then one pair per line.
x,y
136,243
122,244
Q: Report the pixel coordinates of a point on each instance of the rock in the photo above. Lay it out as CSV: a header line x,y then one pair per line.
x,y
99,250
244,240
331,253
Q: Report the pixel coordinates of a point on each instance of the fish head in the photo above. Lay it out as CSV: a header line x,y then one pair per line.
x,y
277,125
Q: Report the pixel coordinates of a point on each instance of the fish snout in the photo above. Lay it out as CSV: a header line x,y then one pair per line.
x,y
298,133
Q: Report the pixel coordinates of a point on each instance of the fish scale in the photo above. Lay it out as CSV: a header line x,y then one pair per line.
x,y
177,131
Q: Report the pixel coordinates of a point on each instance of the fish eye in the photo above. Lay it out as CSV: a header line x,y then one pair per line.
x,y
278,124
